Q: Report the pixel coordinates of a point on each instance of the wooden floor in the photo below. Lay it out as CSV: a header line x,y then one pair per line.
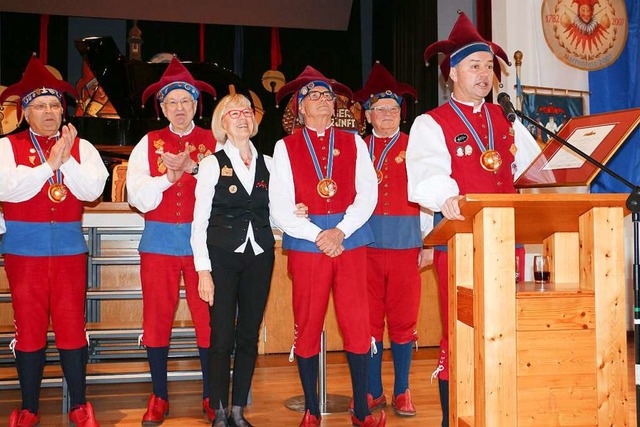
x,y
275,381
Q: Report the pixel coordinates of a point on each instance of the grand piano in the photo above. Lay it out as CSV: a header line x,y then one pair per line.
x,y
110,113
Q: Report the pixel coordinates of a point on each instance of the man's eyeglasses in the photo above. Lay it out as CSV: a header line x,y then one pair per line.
x,y
173,103
315,95
383,109
235,114
42,107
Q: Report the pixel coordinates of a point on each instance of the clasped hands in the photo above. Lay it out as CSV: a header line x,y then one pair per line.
x,y
328,241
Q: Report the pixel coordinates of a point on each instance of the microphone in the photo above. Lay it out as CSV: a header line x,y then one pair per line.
x,y
507,107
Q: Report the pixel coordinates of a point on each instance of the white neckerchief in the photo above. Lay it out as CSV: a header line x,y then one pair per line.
x,y
476,109
191,128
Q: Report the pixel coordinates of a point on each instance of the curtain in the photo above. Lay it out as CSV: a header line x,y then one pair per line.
x,y
617,87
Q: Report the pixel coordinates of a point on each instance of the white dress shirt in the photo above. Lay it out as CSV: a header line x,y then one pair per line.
x,y
283,203
209,173
85,180
144,192
429,161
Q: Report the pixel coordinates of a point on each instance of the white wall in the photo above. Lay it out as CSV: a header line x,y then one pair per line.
x,y
516,26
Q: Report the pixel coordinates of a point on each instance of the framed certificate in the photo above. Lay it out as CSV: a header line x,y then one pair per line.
x,y
598,135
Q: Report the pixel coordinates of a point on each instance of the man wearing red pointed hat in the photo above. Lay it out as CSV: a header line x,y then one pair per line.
x,y
161,180
464,146
328,170
396,255
46,172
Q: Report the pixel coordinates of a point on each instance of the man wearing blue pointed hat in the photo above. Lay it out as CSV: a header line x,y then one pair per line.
x,y
46,173
464,146
396,255
328,170
161,180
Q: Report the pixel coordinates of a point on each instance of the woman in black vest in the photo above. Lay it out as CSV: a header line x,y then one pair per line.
x,y
233,245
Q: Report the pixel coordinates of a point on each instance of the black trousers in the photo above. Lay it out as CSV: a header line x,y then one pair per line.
x,y
241,285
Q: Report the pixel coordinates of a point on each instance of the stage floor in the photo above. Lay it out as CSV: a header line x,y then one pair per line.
x,y
275,381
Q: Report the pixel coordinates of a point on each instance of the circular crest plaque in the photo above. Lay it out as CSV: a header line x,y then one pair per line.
x,y
585,34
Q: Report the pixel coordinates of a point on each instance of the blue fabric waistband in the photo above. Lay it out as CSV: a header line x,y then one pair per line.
x,y
166,238
43,238
395,231
361,237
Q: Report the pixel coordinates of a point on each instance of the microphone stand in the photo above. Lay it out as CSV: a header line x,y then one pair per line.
x,y
633,204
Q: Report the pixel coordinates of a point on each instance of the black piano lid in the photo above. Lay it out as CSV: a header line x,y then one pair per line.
x,y
124,81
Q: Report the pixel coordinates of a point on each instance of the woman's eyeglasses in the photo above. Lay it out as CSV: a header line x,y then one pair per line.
x,y
235,114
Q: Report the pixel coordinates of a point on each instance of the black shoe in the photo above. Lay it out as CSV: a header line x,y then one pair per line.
x,y
242,422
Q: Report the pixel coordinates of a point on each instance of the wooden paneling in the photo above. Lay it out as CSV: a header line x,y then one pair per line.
x,y
6,312
602,261
556,353
461,390
557,401
494,317
563,248
465,305
545,313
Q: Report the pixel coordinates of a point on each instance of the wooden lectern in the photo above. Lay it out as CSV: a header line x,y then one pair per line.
x,y
526,355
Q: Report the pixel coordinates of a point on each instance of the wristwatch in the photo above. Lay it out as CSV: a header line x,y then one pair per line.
x,y
195,169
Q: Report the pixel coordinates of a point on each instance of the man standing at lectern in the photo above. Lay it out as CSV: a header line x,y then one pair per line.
x,y
464,146
161,181
46,172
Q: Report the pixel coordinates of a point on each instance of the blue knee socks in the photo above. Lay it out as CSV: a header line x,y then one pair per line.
x,y
375,372
359,367
74,367
30,366
401,364
308,370
158,357
204,365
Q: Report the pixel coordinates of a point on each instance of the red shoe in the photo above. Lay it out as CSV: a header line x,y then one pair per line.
x,y
370,421
24,418
83,416
402,405
374,404
211,414
310,420
157,410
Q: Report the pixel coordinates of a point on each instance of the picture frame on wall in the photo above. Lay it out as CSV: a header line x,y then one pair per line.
x,y
551,108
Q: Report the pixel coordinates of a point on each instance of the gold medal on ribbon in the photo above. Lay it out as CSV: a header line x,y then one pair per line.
x,y
380,175
327,188
490,160
57,193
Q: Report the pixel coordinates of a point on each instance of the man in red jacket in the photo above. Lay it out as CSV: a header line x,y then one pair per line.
x,y
396,255
329,171
464,146
161,181
46,172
